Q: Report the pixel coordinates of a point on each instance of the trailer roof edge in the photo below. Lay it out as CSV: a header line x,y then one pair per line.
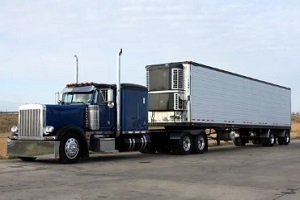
x,y
216,69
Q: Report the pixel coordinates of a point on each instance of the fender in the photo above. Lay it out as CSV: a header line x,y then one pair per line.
x,y
177,135
265,134
282,133
79,132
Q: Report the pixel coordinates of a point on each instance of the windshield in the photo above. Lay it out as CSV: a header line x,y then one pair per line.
x,y
68,98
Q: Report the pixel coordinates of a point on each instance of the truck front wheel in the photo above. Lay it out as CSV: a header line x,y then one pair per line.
x,y
70,149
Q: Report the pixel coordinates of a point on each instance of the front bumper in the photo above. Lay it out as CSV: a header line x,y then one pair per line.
x,y
33,148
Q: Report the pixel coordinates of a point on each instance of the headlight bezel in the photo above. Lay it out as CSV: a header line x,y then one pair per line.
x,y
14,130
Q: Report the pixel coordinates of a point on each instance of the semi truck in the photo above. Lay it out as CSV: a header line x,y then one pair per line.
x,y
183,105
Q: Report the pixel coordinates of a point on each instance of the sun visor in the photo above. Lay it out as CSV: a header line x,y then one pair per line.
x,y
88,88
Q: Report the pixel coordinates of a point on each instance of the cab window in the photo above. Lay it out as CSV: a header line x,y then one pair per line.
x,y
102,96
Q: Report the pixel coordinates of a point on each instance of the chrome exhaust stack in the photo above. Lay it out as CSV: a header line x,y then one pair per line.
x,y
118,95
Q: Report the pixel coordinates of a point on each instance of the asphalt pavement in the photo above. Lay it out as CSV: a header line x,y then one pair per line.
x,y
226,172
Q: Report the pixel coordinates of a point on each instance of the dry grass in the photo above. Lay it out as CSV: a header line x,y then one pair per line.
x,y
295,132
7,121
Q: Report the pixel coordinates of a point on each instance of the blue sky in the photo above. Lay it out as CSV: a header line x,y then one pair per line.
x,y
257,38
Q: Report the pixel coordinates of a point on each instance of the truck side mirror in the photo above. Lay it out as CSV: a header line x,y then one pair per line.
x,y
110,95
110,98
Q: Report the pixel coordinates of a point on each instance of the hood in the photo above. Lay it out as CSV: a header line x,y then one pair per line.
x,y
59,116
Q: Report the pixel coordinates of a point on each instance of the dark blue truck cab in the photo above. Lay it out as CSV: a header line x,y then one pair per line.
x,y
84,120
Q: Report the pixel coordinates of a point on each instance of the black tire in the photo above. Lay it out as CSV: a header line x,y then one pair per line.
x,y
28,159
70,148
239,141
268,142
256,141
185,145
284,140
199,143
235,142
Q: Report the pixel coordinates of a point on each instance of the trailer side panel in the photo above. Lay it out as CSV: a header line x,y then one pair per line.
x,y
226,98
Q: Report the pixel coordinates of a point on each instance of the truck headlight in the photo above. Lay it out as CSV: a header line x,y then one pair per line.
x,y
14,130
48,130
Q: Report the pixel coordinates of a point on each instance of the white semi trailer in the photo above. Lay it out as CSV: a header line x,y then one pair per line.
x,y
190,103
185,105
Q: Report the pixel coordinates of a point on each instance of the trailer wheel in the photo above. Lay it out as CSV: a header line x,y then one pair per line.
x,y
284,140
199,143
185,144
268,142
256,141
239,141
70,148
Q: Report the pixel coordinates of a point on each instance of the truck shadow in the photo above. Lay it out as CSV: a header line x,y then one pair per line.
x,y
99,158
139,157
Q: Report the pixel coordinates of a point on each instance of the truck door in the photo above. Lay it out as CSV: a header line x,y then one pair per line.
x,y
107,115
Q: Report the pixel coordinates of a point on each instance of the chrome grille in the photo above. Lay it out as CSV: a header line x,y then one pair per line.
x,y
31,123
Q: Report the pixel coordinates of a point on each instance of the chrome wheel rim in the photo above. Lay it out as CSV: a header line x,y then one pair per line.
x,y
272,139
201,143
71,148
287,138
186,143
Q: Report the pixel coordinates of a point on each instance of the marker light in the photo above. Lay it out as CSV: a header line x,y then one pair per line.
x,y
79,84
